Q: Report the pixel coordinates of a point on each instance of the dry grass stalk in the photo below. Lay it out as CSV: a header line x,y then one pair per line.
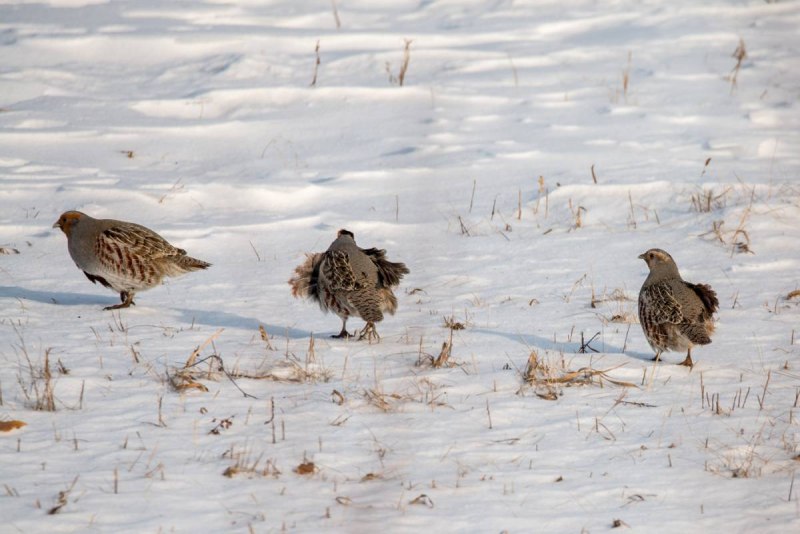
x,y
63,498
406,59
793,294
576,214
336,14
740,54
317,62
265,337
193,357
705,166
626,77
548,379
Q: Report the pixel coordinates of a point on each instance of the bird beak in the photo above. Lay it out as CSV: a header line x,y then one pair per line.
x,y
56,225
641,256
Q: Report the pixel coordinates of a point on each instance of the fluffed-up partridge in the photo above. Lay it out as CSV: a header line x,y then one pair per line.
x,y
350,281
122,256
675,314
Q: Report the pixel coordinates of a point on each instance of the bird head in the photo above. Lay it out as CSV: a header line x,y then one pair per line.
x,y
68,220
345,232
655,257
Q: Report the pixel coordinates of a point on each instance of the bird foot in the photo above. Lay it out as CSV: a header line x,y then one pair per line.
x,y
344,334
687,362
369,332
120,306
127,301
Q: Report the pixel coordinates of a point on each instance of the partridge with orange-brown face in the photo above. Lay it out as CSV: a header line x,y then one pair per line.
x,y
122,256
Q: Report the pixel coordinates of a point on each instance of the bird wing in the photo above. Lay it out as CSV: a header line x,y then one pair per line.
x,y
658,305
139,241
338,272
133,251
389,273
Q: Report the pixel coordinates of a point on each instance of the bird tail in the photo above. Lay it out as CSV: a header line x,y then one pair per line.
x,y
187,264
304,281
390,273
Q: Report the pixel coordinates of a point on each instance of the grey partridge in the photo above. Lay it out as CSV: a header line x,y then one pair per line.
x,y
675,314
122,256
350,281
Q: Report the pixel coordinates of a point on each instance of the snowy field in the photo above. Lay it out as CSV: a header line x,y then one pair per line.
x,y
518,163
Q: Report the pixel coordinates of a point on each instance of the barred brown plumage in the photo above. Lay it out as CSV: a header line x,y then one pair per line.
x,y
675,314
122,256
350,281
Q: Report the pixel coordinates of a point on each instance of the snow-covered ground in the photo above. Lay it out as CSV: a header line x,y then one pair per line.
x,y
199,120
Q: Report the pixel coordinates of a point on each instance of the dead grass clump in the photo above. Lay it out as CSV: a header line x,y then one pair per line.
x,y
708,200
443,358
738,239
549,379
293,369
244,465
39,386
618,295
386,402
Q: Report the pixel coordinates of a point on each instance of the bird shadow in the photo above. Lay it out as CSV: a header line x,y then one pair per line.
x,y
572,347
223,319
58,298
212,318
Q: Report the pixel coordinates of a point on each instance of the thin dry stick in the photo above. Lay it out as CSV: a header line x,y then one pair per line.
x,y
258,256
705,166
626,77
317,63
406,59
633,213
472,198
594,176
336,14
513,69
739,55
519,205
193,358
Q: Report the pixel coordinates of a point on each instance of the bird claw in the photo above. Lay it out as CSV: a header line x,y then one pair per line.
x,y
127,301
344,334
687,362
369,332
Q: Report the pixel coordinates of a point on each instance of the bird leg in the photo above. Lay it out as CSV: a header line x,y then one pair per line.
x,y
369,332
344,334
688,361
657,357
127,300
